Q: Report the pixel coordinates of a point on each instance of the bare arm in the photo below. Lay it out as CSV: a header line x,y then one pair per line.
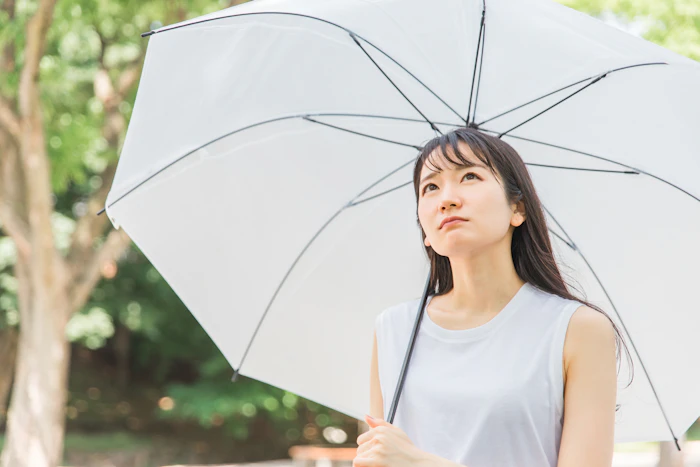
x,y
376,403
590,391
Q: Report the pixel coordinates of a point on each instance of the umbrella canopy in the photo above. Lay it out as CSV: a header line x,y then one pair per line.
x,y
267,174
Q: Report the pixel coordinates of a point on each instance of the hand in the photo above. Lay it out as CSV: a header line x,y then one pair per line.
x,y
386,445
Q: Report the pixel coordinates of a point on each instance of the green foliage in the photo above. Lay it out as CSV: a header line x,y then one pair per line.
x,y
233,406
674,24
9,316
100,442
91,328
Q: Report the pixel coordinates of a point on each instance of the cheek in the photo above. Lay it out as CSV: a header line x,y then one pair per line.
x,y
427,218
492,208
423,219
501,219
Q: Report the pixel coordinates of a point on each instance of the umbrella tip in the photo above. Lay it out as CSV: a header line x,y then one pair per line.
x,y
235,376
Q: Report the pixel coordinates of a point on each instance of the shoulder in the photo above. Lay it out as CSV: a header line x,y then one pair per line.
x,y
590,333
589,324
396,311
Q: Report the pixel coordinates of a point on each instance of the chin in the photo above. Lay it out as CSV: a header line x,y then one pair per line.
x,y
457,247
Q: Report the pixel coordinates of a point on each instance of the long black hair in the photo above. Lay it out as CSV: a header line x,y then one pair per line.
x,y
531,248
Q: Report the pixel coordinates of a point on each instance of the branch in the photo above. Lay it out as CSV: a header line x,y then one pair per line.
x,y
104,88
90,226
7,57
114,246
10,194
32,151
129,77
85,264
37,29
9,120
8,116
15,227
110,96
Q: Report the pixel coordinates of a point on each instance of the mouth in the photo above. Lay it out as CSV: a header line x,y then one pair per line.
x,y
451,221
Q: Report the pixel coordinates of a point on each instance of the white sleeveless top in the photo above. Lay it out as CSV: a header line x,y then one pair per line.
x,y
489,396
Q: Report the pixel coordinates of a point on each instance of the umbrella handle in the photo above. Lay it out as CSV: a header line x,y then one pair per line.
x,y
409,351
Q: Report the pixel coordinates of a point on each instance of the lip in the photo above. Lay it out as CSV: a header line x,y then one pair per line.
x,y
451,218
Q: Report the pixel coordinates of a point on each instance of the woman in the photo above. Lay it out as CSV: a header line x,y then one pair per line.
x,y
509,369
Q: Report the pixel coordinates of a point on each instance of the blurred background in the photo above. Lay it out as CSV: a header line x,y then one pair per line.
x,y
145,385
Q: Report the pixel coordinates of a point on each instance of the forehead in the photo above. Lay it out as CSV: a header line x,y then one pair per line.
x,y
437,160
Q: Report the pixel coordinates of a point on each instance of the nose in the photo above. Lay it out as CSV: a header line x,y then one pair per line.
x,y
449,199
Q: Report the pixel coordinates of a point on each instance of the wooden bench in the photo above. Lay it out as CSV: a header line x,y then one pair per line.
x,y
322,456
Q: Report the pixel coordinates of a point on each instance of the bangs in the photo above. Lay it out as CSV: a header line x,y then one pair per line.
x,y
447,147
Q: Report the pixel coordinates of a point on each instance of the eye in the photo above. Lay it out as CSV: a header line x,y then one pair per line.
x,y
468,173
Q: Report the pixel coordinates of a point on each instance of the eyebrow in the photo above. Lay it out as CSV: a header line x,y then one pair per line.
x,y
433,174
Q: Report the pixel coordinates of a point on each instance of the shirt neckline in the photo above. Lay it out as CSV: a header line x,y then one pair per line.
x,y
464,335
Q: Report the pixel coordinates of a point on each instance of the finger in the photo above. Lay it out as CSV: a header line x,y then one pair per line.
x,y
365,462
363,448
366,436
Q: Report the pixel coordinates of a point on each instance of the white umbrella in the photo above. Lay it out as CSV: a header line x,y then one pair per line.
x,y
266,173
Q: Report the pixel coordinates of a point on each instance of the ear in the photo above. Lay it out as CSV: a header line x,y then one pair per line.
x,y
518,216
426,241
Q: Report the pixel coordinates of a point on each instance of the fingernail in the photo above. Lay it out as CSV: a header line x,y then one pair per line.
x,y
370,416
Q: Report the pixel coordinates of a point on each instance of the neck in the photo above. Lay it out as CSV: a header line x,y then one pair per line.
x,y
483,282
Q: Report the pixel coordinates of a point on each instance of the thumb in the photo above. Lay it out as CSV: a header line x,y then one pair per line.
x,y
371,421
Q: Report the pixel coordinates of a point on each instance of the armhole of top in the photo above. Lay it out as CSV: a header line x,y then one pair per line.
x,y
558,353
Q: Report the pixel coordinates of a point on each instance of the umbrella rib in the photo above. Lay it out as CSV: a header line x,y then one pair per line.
x,y
500,135
319,114
568,242
601,158
189,153
363,134
566,87
432,125
417,120
527,163
349,115
306,247
646,373
476,61
412,76
355,203
625,172
481,66
169,28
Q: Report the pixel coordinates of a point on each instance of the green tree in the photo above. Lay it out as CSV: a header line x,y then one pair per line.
x,y
68,74
674,24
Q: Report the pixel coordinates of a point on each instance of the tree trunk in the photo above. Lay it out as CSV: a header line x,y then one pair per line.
x,y
50,287
36,417
8,354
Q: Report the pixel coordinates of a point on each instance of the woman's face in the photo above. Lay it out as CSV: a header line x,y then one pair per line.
x,y
473,193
